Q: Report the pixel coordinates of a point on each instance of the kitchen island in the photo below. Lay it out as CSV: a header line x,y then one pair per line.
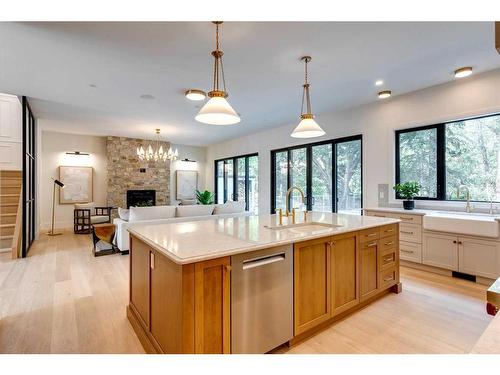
x,y
191,289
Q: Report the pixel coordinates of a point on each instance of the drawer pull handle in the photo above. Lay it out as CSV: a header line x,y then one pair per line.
x,y
389,278
390,230
371,234
405,232
407,251
371,244
152,261
406,218
389,243
388,258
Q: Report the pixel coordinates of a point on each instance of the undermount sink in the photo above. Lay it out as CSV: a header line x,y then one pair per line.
x,y
473,224
311,225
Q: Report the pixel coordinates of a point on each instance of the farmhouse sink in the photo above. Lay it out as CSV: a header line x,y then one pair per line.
x,y
471,224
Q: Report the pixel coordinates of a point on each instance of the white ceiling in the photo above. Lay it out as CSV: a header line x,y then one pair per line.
x,y
54,64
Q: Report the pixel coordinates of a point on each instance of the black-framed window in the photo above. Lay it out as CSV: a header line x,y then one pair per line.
x,y
29,178
237,179
444,156
329,173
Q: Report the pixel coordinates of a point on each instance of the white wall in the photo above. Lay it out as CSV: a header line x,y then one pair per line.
x,y
475,95
191,153
11,117
53,154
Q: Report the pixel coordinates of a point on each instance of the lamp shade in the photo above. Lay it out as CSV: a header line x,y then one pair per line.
x,y
217,111
307,128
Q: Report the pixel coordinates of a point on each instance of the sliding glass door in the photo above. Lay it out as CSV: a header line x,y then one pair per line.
x,y
322,178
329,173
236,179
348,168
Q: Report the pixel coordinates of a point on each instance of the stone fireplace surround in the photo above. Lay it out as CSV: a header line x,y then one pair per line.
x,y
127,172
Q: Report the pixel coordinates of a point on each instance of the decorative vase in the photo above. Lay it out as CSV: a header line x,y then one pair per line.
x,y
409,205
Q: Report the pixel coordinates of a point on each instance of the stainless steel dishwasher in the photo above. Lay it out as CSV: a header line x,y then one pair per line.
x,y
261,299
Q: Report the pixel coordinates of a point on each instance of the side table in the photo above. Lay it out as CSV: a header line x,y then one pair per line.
x,y
104,233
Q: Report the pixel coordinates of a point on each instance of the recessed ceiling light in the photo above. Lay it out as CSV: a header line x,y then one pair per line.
x,y
379,82
195,94
147,97
384,94
463,72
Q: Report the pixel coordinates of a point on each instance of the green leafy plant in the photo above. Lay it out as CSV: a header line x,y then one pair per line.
x,y
408,190
206,197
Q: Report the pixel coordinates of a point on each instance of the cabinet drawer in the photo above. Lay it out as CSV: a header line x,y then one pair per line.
x,y
410,251
410,233
376,213
410,219
388,277
387,259
388,230
388,243
370,244
369,234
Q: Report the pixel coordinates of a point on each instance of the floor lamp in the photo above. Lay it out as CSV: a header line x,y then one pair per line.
x,y
61,185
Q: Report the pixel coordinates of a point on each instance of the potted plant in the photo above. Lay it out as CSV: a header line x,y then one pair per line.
x,y
205,197
408,191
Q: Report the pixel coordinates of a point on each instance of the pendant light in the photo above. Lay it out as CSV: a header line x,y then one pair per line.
x,y
307,128
217,111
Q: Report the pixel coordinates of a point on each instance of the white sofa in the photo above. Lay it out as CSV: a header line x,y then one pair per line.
x,y
171,214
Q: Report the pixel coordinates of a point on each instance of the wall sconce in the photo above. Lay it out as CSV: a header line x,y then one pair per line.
x,y
77,153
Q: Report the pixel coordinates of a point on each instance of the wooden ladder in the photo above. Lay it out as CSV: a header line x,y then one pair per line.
x,y
10,211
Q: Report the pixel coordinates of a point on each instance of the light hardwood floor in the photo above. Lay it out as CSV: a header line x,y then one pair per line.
x,y
61,299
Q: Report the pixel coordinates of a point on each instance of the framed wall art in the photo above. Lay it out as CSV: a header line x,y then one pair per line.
x,y
78,185
187,183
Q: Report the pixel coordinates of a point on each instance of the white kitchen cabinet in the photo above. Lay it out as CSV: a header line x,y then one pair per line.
x,y
10,132
440,250
479,257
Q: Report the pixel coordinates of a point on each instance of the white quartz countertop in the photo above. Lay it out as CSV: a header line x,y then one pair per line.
x,y
423,212
397,210
190,242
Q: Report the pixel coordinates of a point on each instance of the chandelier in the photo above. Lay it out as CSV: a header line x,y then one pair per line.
x,y
218,111
157,153
307,128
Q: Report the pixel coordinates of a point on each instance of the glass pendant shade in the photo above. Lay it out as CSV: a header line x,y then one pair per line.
x,y
307,128
217,111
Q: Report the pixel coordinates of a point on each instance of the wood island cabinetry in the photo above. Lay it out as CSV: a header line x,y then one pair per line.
x,y
334,275
186,308
179,308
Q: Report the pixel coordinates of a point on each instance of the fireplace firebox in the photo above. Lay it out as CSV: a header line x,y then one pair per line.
x,y
141,198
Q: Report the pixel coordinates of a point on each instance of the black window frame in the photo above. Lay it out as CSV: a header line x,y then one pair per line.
x,y
309,147
235,179
441,157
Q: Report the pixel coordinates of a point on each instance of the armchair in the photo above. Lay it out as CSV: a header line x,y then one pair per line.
x,y
84,215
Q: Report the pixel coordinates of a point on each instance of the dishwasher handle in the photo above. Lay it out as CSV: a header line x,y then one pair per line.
x,y
258,262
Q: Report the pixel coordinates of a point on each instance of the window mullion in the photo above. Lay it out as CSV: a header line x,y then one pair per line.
x,y
441,162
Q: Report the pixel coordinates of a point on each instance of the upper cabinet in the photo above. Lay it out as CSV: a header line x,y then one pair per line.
x,y
10,132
